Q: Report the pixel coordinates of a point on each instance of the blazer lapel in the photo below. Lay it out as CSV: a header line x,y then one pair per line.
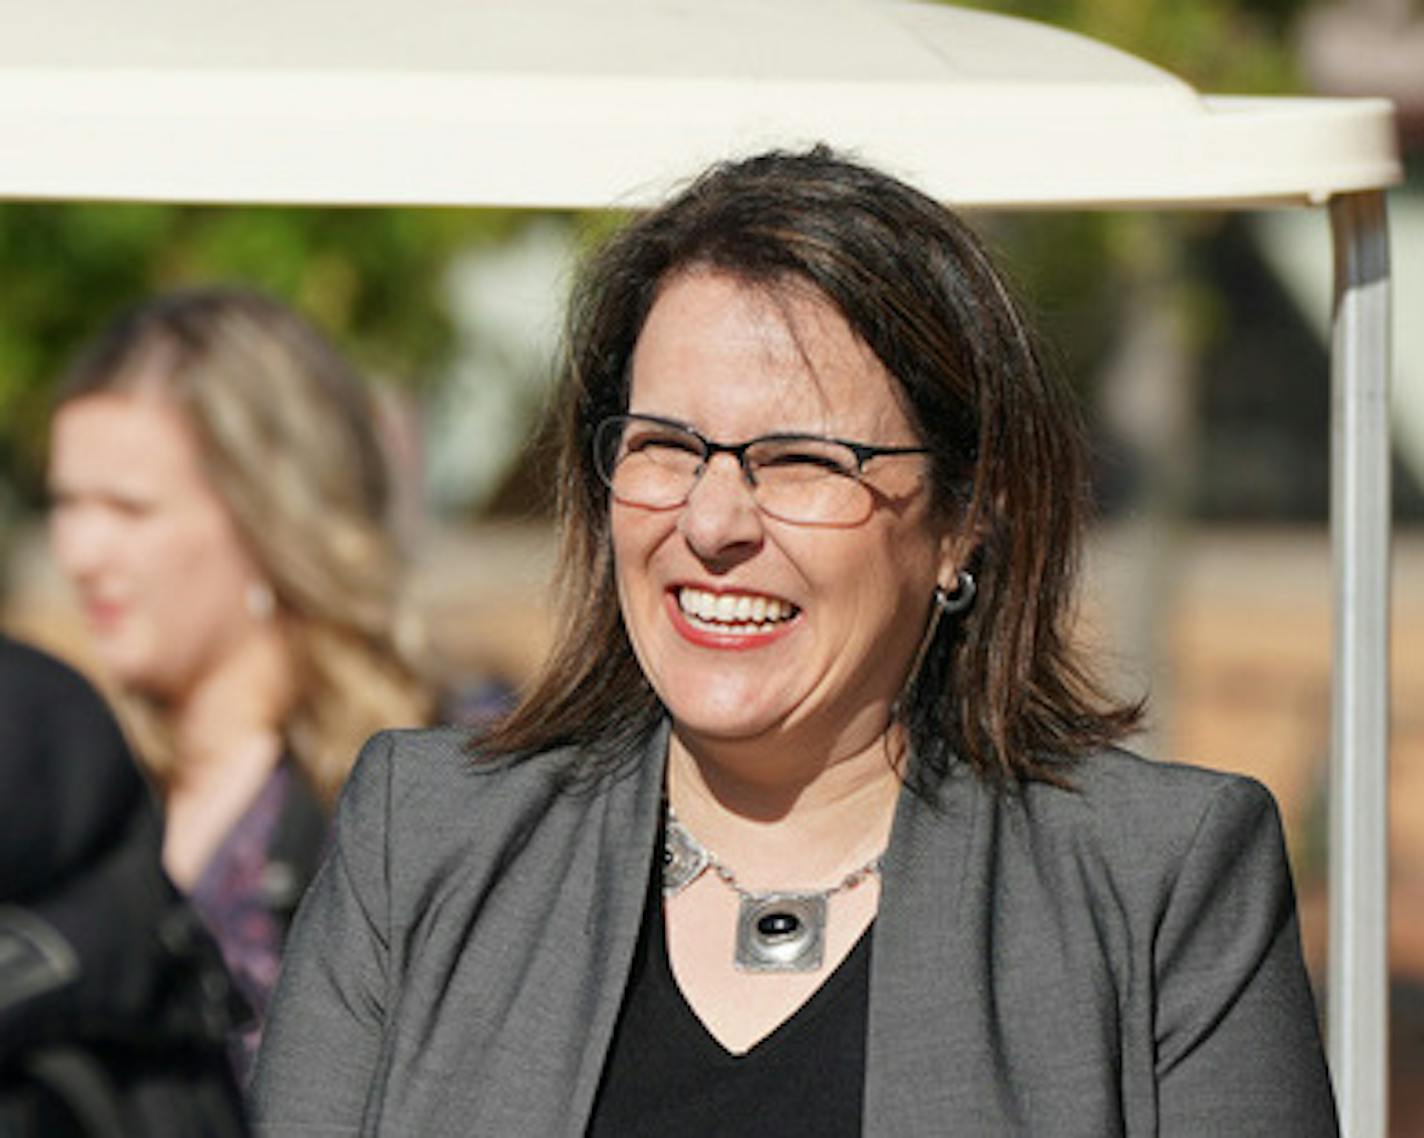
x,y
918,965
522,963
627,832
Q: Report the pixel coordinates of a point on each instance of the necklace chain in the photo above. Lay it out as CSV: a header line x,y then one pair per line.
x,y
723,872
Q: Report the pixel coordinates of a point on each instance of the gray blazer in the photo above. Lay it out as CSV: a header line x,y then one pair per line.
x,y
1122,958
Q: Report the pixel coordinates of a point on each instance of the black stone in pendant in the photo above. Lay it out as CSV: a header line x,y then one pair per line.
x,y
781,932
779,925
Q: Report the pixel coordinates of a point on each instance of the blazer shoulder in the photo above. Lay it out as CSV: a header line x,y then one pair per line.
x,y
1124,804
1119,779
430,787
447,757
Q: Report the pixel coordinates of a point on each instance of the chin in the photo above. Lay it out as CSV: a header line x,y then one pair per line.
x,y
118,660
722,731
733,716
129,668
698,695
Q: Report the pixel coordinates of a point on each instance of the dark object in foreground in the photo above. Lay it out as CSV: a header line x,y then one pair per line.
x,y
114,1005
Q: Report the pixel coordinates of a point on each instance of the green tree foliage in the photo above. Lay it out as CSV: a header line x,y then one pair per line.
x,y
1221,46
372,278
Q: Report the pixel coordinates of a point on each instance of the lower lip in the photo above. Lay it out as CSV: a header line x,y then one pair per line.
x,y
704,637
103,616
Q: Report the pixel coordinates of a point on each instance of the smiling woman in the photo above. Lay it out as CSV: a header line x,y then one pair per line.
x,y
855,583
813,824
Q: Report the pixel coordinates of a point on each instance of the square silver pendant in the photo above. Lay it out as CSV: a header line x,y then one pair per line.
x,y
781,932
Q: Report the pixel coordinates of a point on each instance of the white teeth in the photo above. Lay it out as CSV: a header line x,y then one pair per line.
x,y
743,613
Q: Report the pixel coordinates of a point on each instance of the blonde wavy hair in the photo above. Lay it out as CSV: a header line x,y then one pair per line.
x,y
285,430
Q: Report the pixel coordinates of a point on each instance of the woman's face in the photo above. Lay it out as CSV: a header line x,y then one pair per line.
x,y
844,607
147,543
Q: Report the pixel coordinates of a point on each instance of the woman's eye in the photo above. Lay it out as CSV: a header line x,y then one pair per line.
x,y
135,508
805,460
657,445
110,502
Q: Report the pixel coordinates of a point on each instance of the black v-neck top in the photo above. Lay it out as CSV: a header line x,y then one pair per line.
x,y
667,1075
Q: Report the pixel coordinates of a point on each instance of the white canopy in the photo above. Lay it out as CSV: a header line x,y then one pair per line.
x,y
591,102
610,102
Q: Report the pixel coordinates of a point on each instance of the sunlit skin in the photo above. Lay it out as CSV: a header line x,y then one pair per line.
x,y
162,577
780,707
146,542
779,759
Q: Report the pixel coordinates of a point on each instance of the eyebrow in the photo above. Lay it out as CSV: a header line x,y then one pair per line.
x,y
783,433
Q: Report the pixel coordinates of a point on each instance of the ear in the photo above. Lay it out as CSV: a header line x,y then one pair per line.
x,y
956,547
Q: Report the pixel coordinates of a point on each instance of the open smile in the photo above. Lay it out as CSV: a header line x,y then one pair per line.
x,y
750,617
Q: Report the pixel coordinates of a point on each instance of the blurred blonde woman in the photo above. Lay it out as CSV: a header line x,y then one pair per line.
x,y
219,504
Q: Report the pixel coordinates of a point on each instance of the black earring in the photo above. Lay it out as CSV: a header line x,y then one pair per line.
x,y
962,596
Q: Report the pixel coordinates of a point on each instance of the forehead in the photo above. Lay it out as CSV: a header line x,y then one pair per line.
x,y
738,359
122,437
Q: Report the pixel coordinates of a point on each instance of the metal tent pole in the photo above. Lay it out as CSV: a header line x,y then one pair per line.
x,y
1358,1021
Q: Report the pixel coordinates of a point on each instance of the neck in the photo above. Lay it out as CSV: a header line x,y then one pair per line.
x,y
791,767
768,819
234,711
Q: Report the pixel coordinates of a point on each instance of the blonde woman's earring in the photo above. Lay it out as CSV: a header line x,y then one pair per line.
x,y
261,603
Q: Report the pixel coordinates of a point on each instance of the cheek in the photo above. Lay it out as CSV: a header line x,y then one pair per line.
x,y
638,540
884,583
636,537
67,541
194,575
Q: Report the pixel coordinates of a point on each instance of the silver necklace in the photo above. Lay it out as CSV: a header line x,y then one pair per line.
x,y
777,931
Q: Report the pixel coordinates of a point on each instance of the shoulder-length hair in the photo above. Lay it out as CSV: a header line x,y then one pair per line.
x,y
285,431
999,687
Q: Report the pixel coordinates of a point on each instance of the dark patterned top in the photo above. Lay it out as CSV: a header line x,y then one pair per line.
x,y
234,896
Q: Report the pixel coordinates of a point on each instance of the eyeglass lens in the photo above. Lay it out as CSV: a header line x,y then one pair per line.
x,y
656,465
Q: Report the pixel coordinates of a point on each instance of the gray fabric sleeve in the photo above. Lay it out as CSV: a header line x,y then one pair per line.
x,y
1238,1049
322,1042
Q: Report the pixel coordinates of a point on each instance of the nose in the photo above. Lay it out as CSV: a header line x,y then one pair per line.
x,y
720,520
78,539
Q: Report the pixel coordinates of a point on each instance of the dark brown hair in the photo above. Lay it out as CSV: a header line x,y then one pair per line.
x,y
999,687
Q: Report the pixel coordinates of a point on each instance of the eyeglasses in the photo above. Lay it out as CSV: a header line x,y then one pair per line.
x,y
653,462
